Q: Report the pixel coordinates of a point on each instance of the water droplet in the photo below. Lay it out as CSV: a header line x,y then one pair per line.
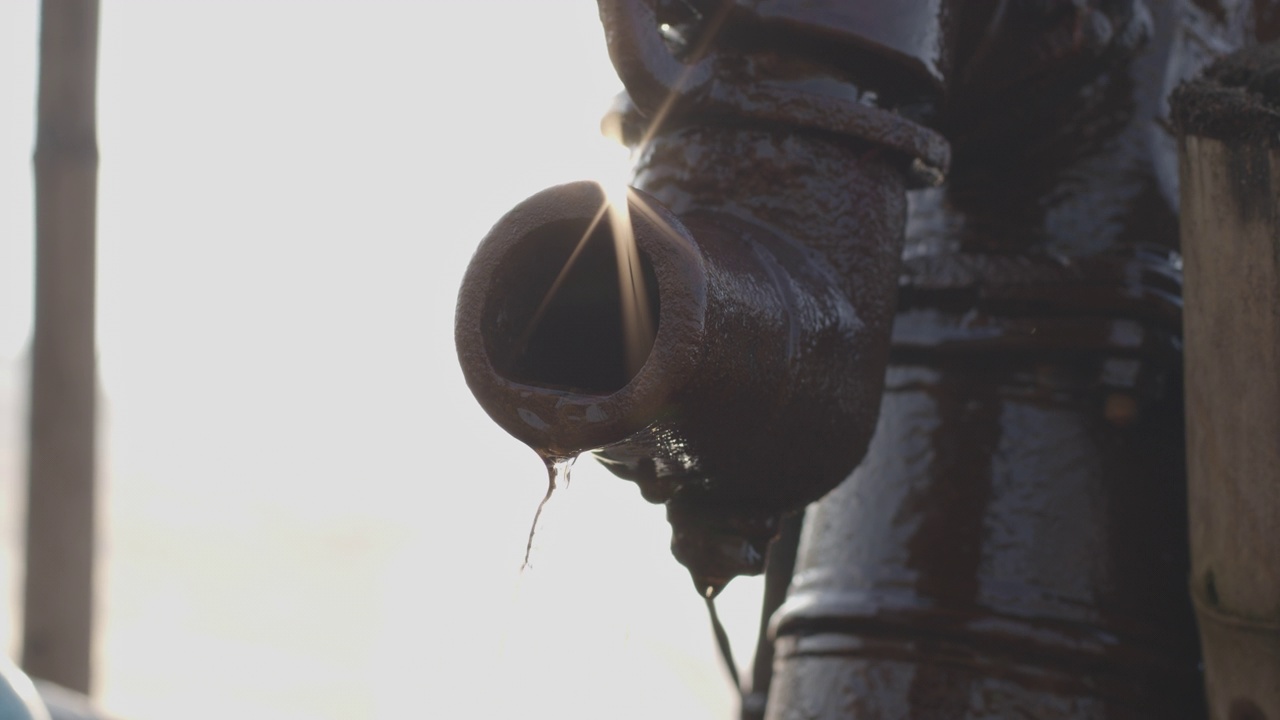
x,y
557,476
709,586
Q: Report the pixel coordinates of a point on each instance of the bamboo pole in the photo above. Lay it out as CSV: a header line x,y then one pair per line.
x,y
1230,166
58,603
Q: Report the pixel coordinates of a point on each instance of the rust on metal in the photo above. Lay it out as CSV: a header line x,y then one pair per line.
x,y
1014,544
768,207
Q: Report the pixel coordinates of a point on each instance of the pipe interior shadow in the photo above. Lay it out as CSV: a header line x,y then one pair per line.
x,y
577,341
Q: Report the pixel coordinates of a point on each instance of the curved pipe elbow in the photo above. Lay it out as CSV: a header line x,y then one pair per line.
x,y
760,376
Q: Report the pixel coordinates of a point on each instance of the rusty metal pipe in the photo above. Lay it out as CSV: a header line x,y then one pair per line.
x,y
761,388
1014,544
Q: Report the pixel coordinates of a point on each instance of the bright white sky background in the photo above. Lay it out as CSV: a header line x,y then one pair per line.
x,y
305,515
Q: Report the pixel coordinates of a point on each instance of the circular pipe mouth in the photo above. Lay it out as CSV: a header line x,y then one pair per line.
x,y
572,335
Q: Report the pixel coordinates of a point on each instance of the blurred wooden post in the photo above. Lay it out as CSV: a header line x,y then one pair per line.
x,y
58,604
1230,165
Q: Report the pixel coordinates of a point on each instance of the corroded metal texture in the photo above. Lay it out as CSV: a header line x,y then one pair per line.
x,y
761,388
723,65
838,209
769,215
1011,547
1015,543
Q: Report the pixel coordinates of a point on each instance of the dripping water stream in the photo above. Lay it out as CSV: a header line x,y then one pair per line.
x,y
722,642
558,469
557,477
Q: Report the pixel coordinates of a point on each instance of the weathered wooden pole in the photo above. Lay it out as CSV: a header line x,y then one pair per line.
x,y
58,604
1229,123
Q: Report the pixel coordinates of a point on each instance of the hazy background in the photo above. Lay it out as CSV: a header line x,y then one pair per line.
x,y
304,514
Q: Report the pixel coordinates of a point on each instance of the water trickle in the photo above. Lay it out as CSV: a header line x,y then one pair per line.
x,y
557,476
722,643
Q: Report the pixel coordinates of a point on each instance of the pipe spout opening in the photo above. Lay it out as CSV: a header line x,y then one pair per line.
x,y
575,326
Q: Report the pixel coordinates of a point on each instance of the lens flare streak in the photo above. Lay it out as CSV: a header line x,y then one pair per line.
x,y
638,325
637,320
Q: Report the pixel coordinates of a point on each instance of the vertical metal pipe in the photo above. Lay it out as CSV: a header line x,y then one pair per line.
x,y
1014,542
58,601
1006,549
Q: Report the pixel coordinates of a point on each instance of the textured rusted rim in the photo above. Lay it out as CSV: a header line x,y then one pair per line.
x,y
560,422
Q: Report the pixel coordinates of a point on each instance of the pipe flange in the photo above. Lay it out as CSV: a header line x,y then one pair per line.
x,y
662,86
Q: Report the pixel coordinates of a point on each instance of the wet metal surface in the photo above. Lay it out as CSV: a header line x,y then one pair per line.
x,y
1003,546
1014,544
769,351
772,247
